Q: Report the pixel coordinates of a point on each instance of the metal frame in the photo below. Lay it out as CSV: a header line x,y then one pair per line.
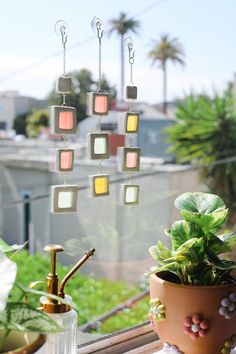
x,y
54,120
124,188
55,191
126,122
92,179
91,103
91,144
58,160
122,152
63,85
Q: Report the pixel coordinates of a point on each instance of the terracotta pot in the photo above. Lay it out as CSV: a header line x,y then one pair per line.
x,y
181,302
22,343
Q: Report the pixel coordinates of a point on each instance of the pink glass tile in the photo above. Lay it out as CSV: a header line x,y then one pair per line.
x,y
131,159
100,104
65,120
66,160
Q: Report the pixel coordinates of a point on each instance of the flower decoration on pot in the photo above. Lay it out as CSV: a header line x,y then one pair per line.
x,y
228,306
171,349
195,326
229,344
157,310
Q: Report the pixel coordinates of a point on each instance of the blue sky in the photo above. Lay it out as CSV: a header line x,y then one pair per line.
x,y
206,29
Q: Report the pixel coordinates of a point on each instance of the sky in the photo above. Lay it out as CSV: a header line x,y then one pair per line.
x,y
31,57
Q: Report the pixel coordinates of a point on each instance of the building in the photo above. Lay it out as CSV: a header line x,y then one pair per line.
x,y
12,104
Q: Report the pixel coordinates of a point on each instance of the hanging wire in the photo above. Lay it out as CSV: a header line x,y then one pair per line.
x,y
130,46
97,25
61,26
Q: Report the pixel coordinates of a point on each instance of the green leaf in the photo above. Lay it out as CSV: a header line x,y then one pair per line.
x,y
220,264
182,231
229,240
192,250
24,317
170,272
217,245
160,252
8,271
207,222
5,248
202,203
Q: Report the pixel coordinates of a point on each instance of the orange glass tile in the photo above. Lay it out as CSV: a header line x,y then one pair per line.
x,y
100,104
131,159
65,120
66,160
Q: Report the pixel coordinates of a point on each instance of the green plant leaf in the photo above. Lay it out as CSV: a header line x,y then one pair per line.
x,y
8,271
202,203
192,250
182,231
5,248
160,252
229,240
24,317
217,245
207,222
220,263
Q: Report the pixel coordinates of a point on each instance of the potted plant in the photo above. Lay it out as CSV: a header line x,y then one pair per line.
x,y
193,287
22,326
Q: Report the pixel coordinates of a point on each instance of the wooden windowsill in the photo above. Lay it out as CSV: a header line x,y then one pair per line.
x,y
139,339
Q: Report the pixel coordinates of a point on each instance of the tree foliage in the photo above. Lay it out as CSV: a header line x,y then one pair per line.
x,y
166,50
205,136
83,83
35,121
19,124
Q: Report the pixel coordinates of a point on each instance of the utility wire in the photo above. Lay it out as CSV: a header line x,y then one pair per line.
x,y
73,46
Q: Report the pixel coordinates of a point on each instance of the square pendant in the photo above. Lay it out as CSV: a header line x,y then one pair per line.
x,y
99,185
97,104
64,160
129,194
64,199
131,92
129,159
63,120
130,123
99,146
63,85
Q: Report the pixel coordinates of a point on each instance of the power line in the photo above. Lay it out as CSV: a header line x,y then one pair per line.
x,y
73,46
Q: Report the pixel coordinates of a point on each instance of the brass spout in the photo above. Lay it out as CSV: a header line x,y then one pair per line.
x,y
79,264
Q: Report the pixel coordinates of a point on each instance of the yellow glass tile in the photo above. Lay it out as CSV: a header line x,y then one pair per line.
x,y
101,186
132,123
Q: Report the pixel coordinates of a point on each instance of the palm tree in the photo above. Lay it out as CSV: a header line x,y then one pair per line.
x,y
121,26
166,49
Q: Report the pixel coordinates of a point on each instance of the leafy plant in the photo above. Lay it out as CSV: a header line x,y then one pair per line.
x,y
205,136
196,254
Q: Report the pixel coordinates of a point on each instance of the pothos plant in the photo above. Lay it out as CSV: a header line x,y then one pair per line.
x,y
199,255
19,314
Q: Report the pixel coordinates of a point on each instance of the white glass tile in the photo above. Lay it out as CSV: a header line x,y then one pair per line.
x,y
65,199
100,146
131,194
